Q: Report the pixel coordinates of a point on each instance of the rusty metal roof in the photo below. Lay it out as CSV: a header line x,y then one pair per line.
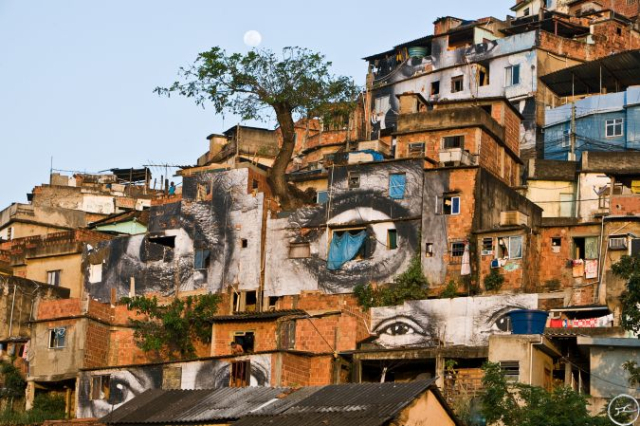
x,y
615,73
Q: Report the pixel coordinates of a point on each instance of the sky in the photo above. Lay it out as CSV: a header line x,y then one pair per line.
x,y
77,76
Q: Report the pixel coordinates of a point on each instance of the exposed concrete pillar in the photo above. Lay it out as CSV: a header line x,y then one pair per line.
x,y
30,393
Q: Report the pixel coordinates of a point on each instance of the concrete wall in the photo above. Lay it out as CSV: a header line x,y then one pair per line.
x,y
467,321
71,276
128,382
369,207
217,213
536,367
424,410
552,197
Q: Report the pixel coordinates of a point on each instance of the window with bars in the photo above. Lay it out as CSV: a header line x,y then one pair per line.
x,y
457,251
487,246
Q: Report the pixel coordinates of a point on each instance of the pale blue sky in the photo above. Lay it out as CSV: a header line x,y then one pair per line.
x,y
76,76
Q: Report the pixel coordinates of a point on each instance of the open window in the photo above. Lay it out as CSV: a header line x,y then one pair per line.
x,y
245,339
483,76
435,88
245,301
240,374
57,337
449,142
457,84
100,387
487,246
585,247
448,205
346,245
354,180
510,247
428,250
53,277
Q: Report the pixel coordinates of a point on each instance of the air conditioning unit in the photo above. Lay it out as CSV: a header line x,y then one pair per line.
x,y
513,218
455,157
618,243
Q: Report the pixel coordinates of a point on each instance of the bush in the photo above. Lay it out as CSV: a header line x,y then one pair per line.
x,y
410,285
46,406
450,291
494,280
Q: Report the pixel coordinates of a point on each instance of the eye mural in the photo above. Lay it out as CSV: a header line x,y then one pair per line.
x,y
100,392
192,244
467,321
391,229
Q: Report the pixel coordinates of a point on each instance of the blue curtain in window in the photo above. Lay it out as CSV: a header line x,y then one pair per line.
x,y
343,248
397,183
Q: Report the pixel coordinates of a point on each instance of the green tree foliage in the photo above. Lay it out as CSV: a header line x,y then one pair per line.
x,y
494,280
410,285
13,384
170,330
634,372
259,84
628,268
515,404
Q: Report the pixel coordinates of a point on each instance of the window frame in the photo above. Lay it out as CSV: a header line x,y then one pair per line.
x,y
509,79
456,253
392,242
56,274
54,342
457,79
613,123
411,149
440,204
364,251
456,138
351,183
325,195
404,186
509,255
484,251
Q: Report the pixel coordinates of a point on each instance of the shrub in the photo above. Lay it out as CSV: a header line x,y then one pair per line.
x,y
494,280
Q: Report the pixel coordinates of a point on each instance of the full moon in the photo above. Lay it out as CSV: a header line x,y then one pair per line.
x,y
252,38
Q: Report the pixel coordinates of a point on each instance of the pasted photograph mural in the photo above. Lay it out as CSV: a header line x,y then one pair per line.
x,y
467,321
101,391
367,231
208,240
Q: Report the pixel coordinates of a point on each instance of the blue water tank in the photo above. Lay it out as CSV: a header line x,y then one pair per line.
x,y
528,321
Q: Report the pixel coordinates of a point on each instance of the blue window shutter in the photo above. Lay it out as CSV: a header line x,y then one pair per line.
x,y
397,185
455,205
323,196
516,74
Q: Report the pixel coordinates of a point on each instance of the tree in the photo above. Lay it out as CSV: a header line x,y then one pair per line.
x,y
628,268
170,330
258,84
516,404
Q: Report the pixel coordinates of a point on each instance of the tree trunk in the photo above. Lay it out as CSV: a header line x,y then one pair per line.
x,y
285,194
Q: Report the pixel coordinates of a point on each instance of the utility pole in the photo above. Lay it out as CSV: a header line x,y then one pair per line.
x,y
572,148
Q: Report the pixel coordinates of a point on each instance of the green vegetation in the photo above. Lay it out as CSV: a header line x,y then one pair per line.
x,y
170,330
450,291
410,285
260,84
628,268
516,404
494,280
46,406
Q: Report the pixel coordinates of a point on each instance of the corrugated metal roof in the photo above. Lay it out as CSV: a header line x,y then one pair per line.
x,y
615,72
193,406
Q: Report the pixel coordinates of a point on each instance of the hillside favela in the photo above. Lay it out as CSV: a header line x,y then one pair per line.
x,y
455,242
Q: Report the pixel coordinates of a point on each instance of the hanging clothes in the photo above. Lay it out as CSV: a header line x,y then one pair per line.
x,y
343,248
466,261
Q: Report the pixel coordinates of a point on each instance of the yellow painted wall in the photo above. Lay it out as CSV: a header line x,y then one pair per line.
x,y
541,192
71,276
424,411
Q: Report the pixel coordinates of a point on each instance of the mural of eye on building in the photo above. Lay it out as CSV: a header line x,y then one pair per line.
x,y
208,240
101,391
367,231
487,68
466,321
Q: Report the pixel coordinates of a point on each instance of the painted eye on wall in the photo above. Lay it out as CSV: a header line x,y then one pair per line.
x,y
400,331
498,321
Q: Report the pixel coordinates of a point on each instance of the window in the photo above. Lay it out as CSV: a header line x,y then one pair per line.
x,y
273,302
53,277
346,245
487,246
448,205
619,31
240,374
244,243
254,183
556,243
483,76
392,239
428,250
450,142
510,247
397,184
585,248
201,192
457,84
354,180
435,88
57,337
322,197
457,251
382,104
100,387
617,243
526,12
416,149
244,301
250,302
512,75
95,273
511,370
635,247
614,127
201,259
299,251
245,339
287,335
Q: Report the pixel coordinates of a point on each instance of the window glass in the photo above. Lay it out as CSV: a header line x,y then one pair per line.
x,y
515,247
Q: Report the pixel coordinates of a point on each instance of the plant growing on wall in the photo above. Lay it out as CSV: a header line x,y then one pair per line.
x,y
628,268
410,285
494,280
515,404
170,330
450,291
260,83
